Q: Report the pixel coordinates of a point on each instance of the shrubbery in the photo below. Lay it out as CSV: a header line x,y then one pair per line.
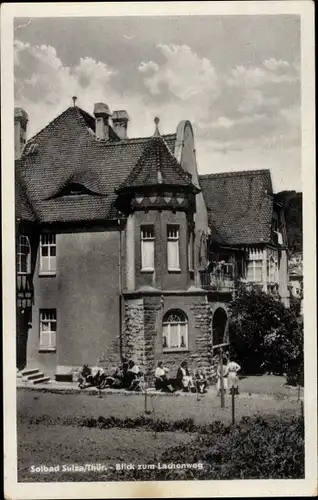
x,y
265,335
256,448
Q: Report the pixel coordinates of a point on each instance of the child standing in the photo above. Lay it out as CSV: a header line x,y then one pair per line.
x,y
234,368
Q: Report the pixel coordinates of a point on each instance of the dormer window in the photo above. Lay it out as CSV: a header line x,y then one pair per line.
x,y
74,189
77,189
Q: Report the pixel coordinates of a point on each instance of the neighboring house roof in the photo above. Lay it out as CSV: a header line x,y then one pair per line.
x,y
157,165
23,207
68,152
240,206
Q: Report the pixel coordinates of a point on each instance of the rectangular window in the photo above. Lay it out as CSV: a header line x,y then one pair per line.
x,y
255,270
191,251
24,255
173,248
175,336
147,248
48,253
47,329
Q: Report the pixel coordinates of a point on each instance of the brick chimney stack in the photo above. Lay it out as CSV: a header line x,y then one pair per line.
x,y
20,131
102,114
120,122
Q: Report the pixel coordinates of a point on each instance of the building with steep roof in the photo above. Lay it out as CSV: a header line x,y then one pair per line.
x,y
123,250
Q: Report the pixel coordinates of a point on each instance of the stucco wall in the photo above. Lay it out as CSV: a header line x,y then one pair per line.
x,y
85,294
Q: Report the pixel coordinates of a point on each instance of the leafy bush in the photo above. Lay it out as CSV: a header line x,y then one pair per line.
x,y
265,335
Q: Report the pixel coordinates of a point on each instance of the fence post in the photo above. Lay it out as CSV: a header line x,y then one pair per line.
x,y
221,379
145,389
233,405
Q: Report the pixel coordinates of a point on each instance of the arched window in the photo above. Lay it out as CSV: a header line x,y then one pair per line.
x,y
24,255
175,330
219,327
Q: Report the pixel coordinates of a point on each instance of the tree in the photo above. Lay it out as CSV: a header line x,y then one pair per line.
x,y
265,335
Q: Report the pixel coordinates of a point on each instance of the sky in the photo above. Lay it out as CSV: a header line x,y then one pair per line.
x,y
236,78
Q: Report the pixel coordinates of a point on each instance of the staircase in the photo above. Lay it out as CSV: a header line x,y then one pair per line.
x,y
32,376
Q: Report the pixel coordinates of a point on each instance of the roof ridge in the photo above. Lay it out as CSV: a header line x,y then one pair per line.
x,y
156,141
175,164
80,113
56,118
235,173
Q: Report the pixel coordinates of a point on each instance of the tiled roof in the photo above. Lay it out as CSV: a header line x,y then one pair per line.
x,y
240,206
157,165
23,207
68,152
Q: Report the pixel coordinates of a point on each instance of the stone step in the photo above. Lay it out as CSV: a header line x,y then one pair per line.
x,y
35,376
42,380
29,371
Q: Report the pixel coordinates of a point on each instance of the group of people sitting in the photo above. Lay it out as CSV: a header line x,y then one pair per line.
x,y
130,377
183,381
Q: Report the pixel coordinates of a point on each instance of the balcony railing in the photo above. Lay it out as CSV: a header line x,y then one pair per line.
x,y
217,280
25,291
225,282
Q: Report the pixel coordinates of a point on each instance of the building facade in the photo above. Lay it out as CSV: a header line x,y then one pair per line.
x,y
123,250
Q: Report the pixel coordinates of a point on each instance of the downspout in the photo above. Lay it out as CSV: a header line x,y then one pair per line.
x,y
120,298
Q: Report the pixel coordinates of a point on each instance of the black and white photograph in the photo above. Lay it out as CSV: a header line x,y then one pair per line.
x,y
158,187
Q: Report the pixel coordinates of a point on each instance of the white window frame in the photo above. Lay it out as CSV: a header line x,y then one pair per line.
x,y
147,237
272,266
173,237
257,259
48,241
23,243
47,316
181,321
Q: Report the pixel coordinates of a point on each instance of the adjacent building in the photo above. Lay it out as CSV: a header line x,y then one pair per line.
x,y
124,250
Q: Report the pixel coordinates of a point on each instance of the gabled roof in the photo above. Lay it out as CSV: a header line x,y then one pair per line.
x,y
68,152
240,206
23,208
156,165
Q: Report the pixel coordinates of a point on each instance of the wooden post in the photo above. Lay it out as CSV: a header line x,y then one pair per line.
x,y
221,379
233,405
146,401
298,392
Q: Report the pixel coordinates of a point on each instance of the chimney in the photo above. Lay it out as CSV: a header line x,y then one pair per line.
x,y
102,114
120,121
20,131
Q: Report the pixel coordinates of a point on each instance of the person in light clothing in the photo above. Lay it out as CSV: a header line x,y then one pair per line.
x,y
234,368
222,372
162,382
201,381
184,379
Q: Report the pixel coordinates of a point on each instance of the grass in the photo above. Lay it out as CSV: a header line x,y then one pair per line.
x,y
49,431
61,445
31,404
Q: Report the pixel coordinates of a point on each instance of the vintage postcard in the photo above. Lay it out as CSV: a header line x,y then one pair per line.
x,y
159,263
